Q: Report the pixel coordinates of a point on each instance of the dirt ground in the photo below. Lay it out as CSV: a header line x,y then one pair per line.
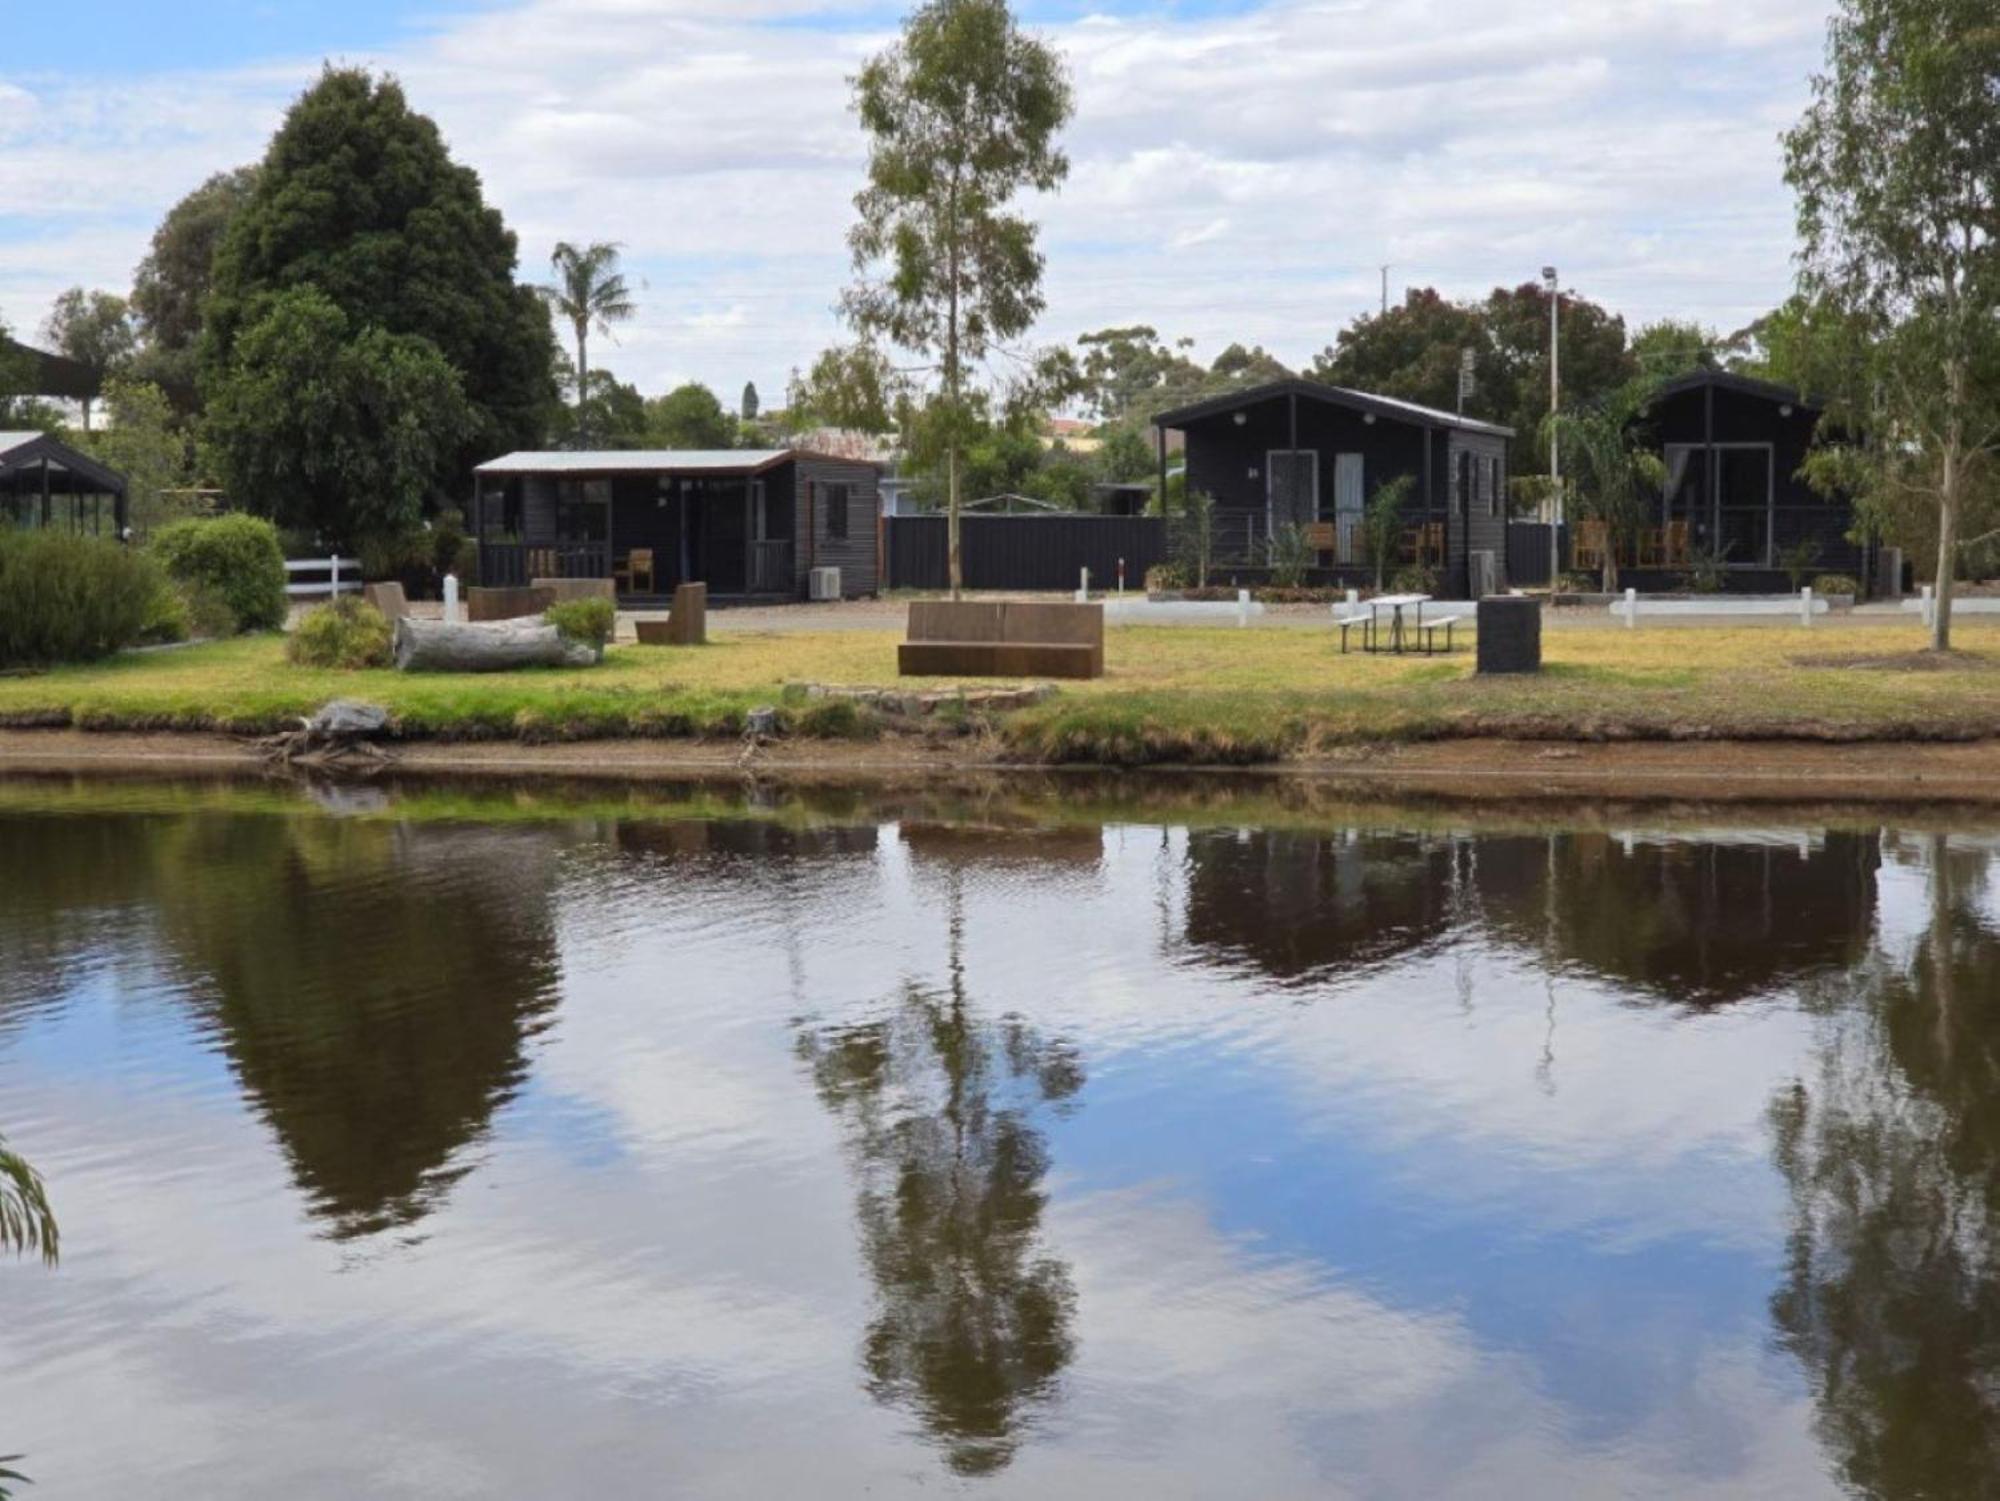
x,y
1471,770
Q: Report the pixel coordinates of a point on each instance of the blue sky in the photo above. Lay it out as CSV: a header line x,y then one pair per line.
x,y
1242,168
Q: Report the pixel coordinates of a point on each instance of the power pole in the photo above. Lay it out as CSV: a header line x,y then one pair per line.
x,y
1385,291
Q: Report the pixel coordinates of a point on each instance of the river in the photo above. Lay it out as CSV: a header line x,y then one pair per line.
x,y
441,1142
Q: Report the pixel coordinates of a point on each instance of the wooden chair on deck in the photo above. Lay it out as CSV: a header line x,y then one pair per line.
x,y
1674,548
638,565
1424,544
544,563
1593,545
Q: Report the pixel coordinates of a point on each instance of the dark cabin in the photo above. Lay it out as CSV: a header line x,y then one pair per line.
x,y
749,523
1733,447
1296,452
46,484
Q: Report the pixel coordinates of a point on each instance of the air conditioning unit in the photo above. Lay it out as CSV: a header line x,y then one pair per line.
x,y
823,583
1485,572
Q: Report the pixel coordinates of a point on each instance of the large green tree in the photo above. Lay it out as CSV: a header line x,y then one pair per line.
x,y
962,115
1896,164
689,416
852,386
170,288
94,329
333,430
144,442
1413,351
358,199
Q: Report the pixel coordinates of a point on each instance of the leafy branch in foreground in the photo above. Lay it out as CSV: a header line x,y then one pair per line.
x,y
27,1223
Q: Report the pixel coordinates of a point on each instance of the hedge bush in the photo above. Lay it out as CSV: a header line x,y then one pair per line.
x,y
1837,583
348,633
71,599
589,621
237,559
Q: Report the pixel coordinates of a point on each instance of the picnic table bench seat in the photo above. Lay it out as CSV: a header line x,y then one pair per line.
x,y
1003,638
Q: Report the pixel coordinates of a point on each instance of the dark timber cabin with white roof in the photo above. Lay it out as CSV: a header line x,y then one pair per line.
x,y
47,485
1297,452
749,523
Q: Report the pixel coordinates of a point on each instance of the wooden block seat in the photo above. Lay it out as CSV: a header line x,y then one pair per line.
x,y
978,638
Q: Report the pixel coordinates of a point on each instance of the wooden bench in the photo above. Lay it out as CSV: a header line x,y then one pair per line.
x,y
483,605
1003,639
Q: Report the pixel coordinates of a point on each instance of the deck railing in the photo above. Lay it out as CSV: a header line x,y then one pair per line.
x,y
512,564
771,568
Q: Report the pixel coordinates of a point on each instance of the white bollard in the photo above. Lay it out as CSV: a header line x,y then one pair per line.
x,y
451,598
1242,609
1083,588
1353,597
1631,609
1805,607
1930,605
334,577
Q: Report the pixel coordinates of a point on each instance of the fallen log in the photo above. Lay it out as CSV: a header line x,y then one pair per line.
x,y
501,646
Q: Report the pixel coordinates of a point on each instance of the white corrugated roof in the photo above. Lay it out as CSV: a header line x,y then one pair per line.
x,y
1434,414
631,460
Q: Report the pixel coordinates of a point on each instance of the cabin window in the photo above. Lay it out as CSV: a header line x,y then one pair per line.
x,y
583,510
836,499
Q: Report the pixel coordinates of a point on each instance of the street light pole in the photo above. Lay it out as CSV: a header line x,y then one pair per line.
x,y
1555,444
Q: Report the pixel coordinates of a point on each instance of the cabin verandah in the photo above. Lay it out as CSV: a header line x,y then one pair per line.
x,y
1733,500
745,523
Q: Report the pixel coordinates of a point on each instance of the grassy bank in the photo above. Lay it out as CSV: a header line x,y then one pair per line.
x,y
1173,695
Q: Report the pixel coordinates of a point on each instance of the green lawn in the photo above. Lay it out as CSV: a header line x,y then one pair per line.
x,y
1172,693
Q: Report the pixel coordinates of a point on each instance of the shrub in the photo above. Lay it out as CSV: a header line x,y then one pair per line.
x,y
1414,579
349,633
1579,583
71,599
1291,556
589,621
1837,583
167,618
236,558
1167,576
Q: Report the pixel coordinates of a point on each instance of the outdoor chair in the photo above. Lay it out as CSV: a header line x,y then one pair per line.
x,y
1593,545
1674,545
638,565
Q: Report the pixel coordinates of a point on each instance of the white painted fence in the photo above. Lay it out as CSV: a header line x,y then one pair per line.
x,y
1136,609
1802,607
343,576
1926,605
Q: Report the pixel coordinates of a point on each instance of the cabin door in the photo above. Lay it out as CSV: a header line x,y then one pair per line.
x,y
1350,506
1291,493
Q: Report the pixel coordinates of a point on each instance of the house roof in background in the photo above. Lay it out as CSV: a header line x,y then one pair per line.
x,y
1742,385
51,374
1393,407
18,450
725,462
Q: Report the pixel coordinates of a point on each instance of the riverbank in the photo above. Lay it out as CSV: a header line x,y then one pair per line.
x,y
1172,697
1469,771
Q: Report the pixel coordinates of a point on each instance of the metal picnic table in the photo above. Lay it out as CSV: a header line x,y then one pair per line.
x,y
1396,604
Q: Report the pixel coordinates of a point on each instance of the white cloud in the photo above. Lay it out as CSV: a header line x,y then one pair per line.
x,y
1235,177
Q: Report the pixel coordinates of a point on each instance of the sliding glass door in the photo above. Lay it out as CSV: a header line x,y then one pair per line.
x,y
1728,512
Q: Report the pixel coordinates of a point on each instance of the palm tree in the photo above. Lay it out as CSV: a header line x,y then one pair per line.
x,y
1614,477
26,1221
589,291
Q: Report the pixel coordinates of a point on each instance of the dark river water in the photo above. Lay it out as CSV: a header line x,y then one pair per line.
x,y
446,1144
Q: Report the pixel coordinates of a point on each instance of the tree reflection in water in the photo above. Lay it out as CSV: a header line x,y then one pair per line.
x,y
973,1321
1891,1300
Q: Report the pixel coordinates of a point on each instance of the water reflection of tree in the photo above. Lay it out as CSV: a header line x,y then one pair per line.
x,y
374,986
973,1323
1891,1299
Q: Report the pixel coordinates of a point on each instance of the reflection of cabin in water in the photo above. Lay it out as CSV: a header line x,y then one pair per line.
x,y
1301,906
1705,922
1050,849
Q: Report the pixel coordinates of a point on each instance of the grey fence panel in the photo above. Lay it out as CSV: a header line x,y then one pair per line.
x,y
1025,552
1528,553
